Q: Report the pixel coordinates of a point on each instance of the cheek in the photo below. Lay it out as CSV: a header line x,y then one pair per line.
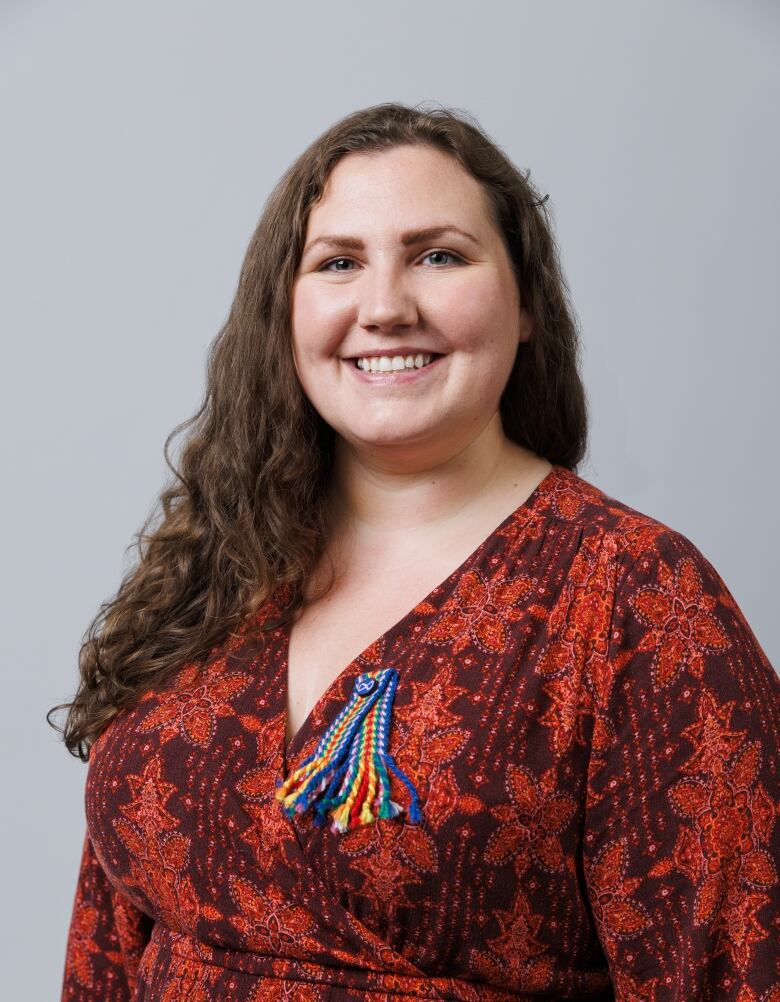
x,y
483,309
486,338
484,333
484,373
319,324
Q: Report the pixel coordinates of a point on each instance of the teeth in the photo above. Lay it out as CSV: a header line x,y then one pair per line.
x,y
393,363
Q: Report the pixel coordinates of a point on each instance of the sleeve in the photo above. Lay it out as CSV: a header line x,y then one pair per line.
x,y
107,936
680,841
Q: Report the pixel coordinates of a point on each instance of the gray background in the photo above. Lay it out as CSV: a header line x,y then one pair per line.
x,y
140,140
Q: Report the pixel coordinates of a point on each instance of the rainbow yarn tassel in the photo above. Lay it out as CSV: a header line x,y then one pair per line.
x,y
347,773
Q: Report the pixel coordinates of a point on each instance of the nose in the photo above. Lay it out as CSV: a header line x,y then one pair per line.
x,y
386,302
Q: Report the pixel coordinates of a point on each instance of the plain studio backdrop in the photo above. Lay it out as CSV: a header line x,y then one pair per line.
x,y
140,140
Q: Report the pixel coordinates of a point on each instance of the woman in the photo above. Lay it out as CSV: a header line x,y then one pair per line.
x,y
395,704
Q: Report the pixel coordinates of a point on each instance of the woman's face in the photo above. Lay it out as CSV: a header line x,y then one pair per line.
x,y
371,283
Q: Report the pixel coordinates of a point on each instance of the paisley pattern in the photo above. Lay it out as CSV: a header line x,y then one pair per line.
x,y
593,732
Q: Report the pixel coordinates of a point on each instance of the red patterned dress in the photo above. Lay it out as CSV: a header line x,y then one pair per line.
x,y
592,729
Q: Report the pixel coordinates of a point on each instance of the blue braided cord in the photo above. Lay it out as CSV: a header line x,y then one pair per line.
x,y
335,781
331,729
367,700
414,807
328,799
326,737
385,679
312,787
351,772
383,728
343,743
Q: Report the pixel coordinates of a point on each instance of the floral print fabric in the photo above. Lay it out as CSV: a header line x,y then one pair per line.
x,y
593,732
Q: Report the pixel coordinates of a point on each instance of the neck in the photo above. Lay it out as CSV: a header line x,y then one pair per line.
x,y
376,494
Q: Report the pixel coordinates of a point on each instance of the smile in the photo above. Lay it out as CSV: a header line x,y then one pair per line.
x,y
400,374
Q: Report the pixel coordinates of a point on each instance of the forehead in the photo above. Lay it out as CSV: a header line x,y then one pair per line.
x,y
408,185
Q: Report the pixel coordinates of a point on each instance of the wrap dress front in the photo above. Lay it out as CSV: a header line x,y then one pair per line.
x,y
592,730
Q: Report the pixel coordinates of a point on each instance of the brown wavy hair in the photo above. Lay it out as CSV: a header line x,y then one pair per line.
x,y
245,518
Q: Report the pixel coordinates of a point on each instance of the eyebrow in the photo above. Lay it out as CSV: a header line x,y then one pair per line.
x,y
407,239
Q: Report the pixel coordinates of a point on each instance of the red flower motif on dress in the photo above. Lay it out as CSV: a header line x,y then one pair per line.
x,y
565,716
713,740
444,799
581,613
732,815
191,982
258,783
516,950
150,794
610,891
682,626
531,823
566,498
158,853
556,657
270,921
430,706
638,536
390,858
270,825
479,610
81,941
432,743
579,631
193,711
738,928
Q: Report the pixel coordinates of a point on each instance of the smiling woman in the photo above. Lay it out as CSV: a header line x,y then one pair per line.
x,y
395,703
407,293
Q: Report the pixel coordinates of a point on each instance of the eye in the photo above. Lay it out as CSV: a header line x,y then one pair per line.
x,y
335,260
446,253
326,266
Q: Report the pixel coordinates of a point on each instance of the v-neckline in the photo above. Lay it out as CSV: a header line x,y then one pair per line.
x,y
291,749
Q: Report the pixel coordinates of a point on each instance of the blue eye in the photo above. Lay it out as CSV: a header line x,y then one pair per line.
x,y
445,253
335,260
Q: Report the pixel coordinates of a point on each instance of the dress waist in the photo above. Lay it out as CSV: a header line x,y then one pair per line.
x,y
211,973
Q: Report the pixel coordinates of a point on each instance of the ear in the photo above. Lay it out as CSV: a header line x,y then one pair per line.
x,y
526,324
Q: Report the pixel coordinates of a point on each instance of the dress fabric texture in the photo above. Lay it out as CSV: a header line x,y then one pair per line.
x,y
593,731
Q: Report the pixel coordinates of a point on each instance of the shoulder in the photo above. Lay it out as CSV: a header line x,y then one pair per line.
x,y
632,535
672,619
664,589
572,498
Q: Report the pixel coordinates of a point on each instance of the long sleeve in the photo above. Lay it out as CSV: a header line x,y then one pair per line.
x,y
681,843
106,939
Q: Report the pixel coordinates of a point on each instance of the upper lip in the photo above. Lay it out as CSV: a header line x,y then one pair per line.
x,y
398,349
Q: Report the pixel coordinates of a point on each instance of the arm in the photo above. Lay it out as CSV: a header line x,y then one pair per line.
x,y
681,843
106,939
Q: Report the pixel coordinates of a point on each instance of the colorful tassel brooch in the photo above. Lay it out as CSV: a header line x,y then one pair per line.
x,y
347,774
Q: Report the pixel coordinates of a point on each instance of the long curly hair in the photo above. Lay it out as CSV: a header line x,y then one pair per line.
x,y
244,520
